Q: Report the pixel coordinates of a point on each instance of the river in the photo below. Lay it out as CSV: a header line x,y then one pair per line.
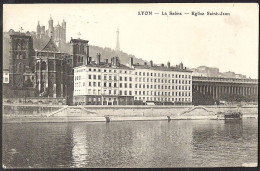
x,y
176,143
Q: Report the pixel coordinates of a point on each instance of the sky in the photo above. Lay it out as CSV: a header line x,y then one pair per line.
x,y
229,43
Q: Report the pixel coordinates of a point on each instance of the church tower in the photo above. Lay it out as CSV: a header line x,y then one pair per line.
x,y
51,29
63,25
117,40
38,30
21,61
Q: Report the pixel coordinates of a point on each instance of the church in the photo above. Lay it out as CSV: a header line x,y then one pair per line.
x,y
45,74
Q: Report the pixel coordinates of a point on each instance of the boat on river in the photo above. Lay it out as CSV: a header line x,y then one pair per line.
x,y
229,115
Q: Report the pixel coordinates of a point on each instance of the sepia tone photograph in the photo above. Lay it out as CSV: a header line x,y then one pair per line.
x,y
158,85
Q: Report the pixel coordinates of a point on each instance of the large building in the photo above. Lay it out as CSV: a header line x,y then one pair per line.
x,y
44,75
112,83
58,32
212,90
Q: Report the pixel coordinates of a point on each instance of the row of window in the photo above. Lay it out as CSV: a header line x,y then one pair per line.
x,y
162,75
136,79
164,99
125,85
139,73
109,70
148,93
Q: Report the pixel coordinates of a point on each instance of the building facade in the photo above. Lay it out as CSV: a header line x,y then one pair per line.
x,y
21,65
50,71
45,75
211,90
104,83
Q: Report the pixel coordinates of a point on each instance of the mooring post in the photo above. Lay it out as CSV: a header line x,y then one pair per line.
x,y
107,118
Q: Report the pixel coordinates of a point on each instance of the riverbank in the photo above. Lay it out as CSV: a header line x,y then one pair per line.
x,y
63,113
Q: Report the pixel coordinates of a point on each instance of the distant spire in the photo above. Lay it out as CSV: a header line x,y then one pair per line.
x,y
50,17
21,29
79,34
117,40
38,22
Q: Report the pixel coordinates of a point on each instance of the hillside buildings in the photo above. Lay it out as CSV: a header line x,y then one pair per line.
x,y
40,67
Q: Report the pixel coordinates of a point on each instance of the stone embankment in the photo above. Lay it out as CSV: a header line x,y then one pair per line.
x,y
63,113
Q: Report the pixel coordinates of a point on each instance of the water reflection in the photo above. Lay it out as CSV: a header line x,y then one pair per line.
x,y
130,144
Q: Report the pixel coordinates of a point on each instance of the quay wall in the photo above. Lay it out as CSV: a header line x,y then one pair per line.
x,y
29,110
122,111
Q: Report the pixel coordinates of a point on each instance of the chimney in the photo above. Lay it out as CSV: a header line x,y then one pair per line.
x,y
162,65
181,65
145,63
151,63
112,60
106,61
168,65
98,58
89,60
117,61
131,61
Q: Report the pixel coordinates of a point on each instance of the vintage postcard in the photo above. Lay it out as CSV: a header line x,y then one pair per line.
x,y
130,85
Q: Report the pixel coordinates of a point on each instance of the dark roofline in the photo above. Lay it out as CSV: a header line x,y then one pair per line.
x,y
20,35
78,40
160,68
107,65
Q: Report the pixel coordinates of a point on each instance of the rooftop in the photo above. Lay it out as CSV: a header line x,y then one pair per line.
x,y
161,68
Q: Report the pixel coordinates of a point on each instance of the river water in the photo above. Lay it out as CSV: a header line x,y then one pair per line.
x,y
182,143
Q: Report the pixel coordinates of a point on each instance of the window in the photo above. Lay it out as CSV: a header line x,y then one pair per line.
x,y
130,78
120,85
121,78
114,84
99,77
98,84
120,92
125,92
109,92
115,92
89,84
89,76
130,85
125,78
130,92
94,84
125,85
105,84
110,84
